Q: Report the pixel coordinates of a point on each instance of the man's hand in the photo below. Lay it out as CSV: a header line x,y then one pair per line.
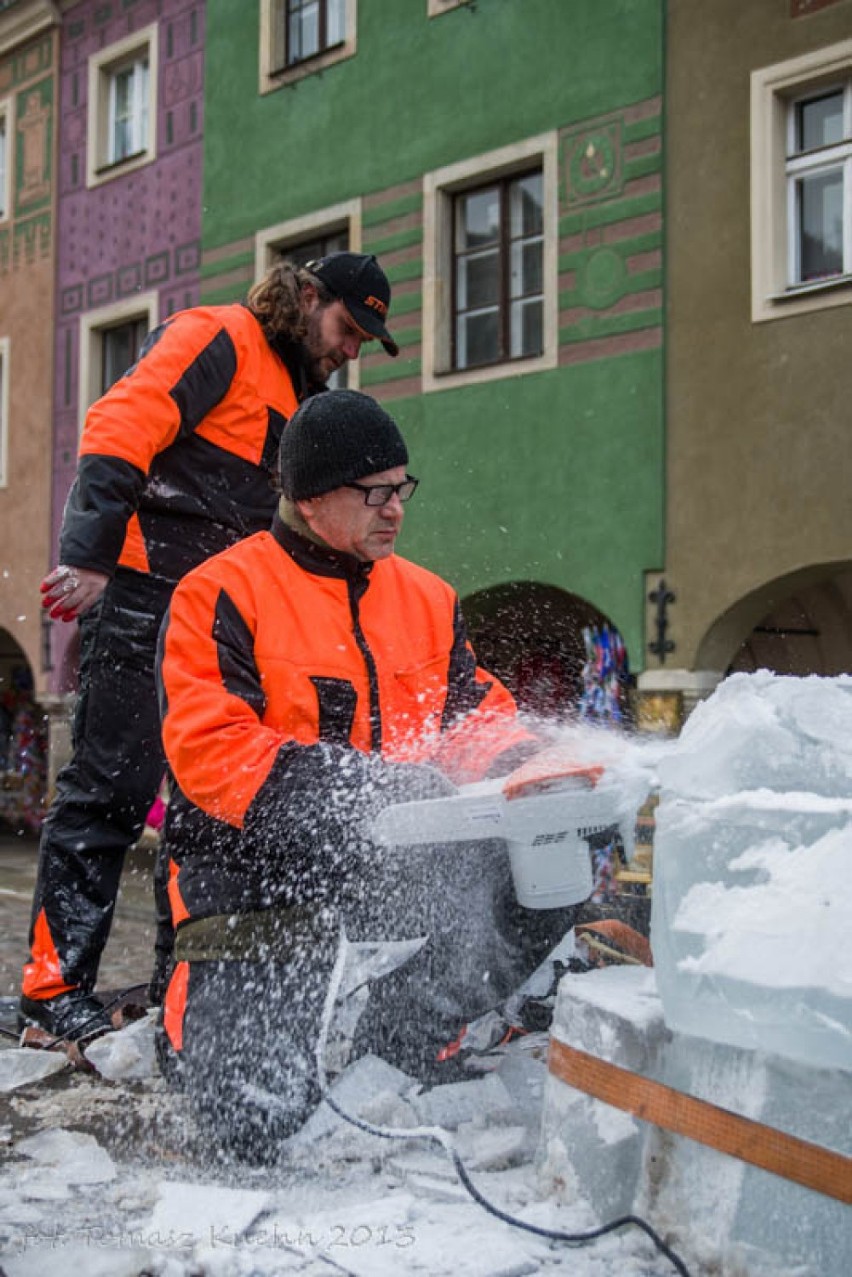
x,y
69,592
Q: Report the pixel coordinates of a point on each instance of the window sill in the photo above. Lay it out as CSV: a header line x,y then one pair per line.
x,y
115,166
796,291
305,64
280,77
450,378
802,299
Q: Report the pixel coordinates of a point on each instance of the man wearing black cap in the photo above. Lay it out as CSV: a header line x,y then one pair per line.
x,y
307,677
176,463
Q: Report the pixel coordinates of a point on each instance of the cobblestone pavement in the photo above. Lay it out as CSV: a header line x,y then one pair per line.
x,y
127,958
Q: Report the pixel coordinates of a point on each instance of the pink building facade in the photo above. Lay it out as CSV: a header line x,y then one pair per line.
x,y
128,212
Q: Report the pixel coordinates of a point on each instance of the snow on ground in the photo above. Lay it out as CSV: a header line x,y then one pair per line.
x,y
108,1179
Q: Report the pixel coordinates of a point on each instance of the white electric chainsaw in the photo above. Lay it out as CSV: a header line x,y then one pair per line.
x,y
545,811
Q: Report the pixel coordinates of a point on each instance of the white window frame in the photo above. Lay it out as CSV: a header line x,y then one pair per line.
x,y
6,167
5,347
103,68
274,77
439,189
92,326
272,240
774,92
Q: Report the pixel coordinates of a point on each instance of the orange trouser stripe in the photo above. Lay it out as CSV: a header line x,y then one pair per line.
x,y
175,1005
43,973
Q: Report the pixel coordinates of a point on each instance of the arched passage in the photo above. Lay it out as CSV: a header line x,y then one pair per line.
x,y
23,740
531,636
799,624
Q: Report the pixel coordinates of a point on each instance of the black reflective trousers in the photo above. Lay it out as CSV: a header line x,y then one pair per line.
x,y
105,792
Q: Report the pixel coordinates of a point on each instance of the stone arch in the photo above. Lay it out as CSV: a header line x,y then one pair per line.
x,y
799,623
531,636
23,740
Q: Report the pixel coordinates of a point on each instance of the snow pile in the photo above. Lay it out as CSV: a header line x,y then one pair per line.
x,y
753,855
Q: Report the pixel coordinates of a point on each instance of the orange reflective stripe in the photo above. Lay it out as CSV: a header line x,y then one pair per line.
x,y
133,554
43,974
174,1006
179,909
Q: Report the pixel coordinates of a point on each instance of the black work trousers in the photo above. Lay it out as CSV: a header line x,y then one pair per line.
x,y
105,792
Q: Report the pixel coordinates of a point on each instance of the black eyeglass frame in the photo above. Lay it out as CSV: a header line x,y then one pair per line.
x,y
405,490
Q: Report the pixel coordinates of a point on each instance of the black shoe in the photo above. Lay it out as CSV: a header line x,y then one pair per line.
x,y
74,1016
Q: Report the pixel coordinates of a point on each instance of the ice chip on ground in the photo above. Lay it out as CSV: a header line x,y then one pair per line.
x,y
199,1213
128,1054
76,1156
86,1258
448,1106
358,1090
22,1066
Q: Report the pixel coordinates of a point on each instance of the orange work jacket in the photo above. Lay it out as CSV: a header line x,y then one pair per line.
x,y
176,459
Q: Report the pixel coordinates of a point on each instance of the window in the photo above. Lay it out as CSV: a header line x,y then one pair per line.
x,y
4,160
306,251
802,184
819,182
300,37
331,230
120,349
122,106
490,266
110,341
310,27
498,251
128,110
4,410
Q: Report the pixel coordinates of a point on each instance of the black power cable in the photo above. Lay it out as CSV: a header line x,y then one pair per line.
x,y
439,1136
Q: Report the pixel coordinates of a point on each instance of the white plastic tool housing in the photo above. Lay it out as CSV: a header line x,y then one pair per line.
x,y
546,830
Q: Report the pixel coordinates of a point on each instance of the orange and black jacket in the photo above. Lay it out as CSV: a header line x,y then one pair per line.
x,y
176,458
290,676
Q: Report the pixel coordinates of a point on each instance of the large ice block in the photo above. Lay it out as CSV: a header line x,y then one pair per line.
x,y
751,908
721,1214
751,919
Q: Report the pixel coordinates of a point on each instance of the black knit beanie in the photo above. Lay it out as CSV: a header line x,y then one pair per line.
x,y
334,438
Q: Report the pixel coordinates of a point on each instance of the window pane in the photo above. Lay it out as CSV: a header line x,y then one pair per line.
x,y
478,280
336,22
309,249
478,339
478,219
527,337
303,30
526,202
121,96
129,111
141,85
2,166
121,347
819,122
820,204
527,273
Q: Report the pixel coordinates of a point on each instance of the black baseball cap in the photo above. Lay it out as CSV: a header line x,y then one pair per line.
x,y
359,282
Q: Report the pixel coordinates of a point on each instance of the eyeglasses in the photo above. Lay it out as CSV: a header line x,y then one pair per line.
x,y
381,493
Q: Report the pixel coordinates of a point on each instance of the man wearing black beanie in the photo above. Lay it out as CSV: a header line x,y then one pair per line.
x,y
307,676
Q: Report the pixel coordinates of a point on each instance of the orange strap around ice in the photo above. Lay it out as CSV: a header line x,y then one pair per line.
x,y
808,1164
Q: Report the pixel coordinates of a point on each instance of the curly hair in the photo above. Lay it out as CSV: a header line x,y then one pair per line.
x,y
276,300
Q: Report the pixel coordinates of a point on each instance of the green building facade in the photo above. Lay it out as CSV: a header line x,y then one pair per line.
x,y
541,470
